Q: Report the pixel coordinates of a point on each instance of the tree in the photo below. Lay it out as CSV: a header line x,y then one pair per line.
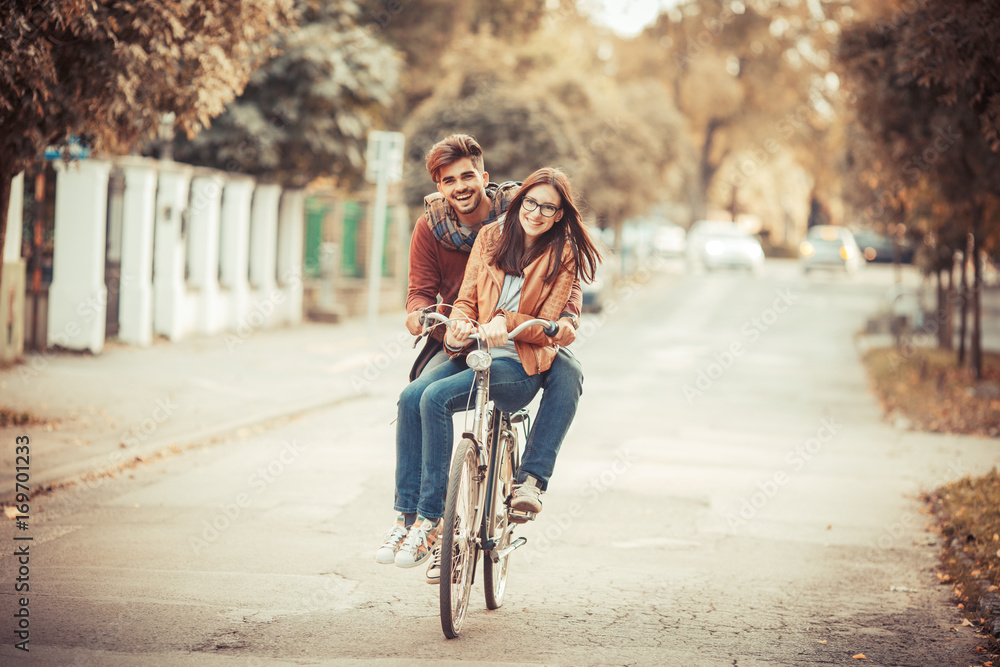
x,y
928,94
308,111
425,32
106,71
549,100
748,77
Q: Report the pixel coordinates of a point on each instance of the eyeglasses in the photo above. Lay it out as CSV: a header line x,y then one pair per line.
x,y
548,210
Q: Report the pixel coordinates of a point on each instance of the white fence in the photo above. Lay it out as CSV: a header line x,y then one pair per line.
x,y
201,252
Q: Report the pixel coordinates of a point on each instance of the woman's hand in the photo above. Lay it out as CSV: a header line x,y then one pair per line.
x,y
457,335
495,331
566,334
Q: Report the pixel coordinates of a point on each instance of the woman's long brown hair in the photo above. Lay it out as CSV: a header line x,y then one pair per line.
x,y
512,257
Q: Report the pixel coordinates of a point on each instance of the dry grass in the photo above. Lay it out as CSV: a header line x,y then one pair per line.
x,y
926,387
968,515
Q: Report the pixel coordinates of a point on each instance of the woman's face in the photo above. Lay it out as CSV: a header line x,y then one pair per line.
x,y
544,198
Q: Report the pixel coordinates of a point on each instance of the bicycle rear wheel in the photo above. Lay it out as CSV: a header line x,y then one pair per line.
x,y
458,542
496,526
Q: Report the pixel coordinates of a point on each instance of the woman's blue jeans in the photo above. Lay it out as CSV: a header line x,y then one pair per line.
x,y
425,429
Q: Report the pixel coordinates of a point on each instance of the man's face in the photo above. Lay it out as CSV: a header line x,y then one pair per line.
x,y
462,185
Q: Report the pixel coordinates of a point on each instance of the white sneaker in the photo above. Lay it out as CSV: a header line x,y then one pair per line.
x,y
417,546
393,539
434,569
526,496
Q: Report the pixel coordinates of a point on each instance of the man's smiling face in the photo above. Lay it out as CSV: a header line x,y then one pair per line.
x,y
463,187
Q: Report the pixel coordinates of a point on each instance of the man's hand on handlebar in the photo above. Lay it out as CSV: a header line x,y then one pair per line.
x,y
413,324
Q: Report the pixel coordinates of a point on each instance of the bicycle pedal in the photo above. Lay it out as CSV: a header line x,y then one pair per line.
x,y
521,516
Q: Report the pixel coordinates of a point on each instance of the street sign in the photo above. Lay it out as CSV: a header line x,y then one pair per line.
x,y
384,156
73,149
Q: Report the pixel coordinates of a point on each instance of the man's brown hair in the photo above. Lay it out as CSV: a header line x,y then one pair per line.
x,y
452,149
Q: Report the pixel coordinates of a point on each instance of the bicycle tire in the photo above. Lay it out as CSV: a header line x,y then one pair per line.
x,y
458,545
496,525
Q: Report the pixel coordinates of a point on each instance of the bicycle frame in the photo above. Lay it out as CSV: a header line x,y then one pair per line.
x,y
484,526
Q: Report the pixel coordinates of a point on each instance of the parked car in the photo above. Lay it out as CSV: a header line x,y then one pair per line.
x,y
714,244
829,247
594,294
669,240
878,248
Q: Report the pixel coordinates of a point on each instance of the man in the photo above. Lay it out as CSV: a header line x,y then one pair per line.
x,y
439,251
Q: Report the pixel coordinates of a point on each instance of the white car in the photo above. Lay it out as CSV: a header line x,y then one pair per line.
x,y
714,244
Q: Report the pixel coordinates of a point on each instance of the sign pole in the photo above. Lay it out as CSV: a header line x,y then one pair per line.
x,y
384,165
375,264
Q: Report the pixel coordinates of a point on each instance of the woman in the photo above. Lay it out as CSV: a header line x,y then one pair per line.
x,y
518,270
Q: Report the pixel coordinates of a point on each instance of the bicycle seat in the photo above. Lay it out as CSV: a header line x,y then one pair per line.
x,y
519,416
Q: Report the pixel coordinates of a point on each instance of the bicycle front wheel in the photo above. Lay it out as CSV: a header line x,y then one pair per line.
x,y
496,526
458,542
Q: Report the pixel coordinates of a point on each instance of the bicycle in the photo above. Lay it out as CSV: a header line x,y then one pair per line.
x,y
477,515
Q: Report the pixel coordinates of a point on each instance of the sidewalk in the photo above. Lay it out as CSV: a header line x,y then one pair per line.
x,y
102,412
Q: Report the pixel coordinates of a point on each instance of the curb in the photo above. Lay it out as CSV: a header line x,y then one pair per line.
x,y
104,464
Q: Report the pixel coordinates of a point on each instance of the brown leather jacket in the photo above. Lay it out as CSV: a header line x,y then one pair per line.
x,y
480,294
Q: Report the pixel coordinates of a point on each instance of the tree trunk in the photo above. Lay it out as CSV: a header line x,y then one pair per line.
x,y
976,344
706,170
942,305
964,291
947,318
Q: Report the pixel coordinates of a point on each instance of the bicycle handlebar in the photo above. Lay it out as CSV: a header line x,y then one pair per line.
x,y
549,327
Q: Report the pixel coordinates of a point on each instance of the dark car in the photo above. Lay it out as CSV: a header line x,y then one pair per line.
x,y
876,247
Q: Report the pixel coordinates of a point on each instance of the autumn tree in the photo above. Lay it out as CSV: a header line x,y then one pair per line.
x,y
747,76
306,112
106,70
928,94
426,31
550,99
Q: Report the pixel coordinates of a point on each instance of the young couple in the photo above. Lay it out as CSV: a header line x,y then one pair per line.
x,y
501,255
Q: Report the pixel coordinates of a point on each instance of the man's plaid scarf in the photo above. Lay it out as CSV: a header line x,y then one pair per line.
x,y
444,223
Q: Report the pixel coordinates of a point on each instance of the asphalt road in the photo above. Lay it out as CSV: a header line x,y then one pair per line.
x,y
729,495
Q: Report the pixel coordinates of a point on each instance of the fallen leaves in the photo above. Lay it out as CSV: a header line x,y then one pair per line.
x,y
933,393
859,656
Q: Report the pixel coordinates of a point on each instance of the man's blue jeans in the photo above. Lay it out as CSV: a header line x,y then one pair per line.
x,y
562,387
425,429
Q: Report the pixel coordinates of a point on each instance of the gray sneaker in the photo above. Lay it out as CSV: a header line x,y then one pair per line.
x,y
526,496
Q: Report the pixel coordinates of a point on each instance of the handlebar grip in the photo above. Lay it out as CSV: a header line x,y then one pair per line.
x,y
551,329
